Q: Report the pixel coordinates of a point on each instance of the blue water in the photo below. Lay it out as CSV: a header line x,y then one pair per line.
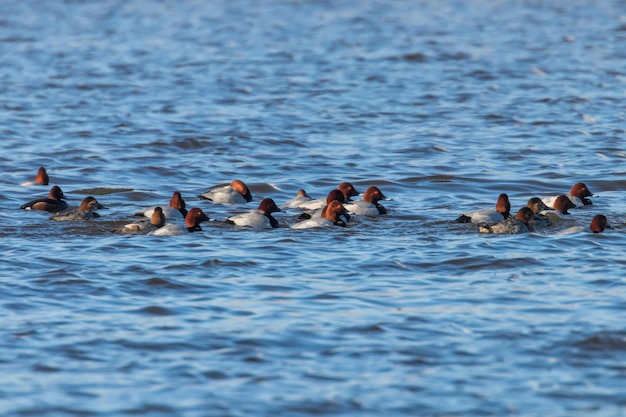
x,y
443,105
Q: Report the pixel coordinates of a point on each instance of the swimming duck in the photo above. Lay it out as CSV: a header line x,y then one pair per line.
x,y
259,219
599,223
176,210
53,203
488,216
346,189
86,211
300,198
370,205
538,208
578,195
333,195
144,226
331,217
511,225
42,177
235,193
194,217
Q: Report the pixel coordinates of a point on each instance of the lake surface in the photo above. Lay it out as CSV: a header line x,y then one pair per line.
x,y
442,105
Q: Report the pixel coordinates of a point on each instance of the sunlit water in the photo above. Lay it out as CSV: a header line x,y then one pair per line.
x,y
443,105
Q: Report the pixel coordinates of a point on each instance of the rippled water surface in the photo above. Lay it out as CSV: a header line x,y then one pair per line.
x,y
443,105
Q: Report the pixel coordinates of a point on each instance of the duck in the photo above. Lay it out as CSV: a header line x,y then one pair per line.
x,y
599,223
333,195
560,211
42,177
488,216
536,205
370,205
578,195
540,221
53,203
315,206
194,217
144,226
300,198
511,225
562,204
258,219
235,193
346,189
331,217
86,211
176,210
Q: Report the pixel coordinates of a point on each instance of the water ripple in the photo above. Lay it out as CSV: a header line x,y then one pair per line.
x,y
443,105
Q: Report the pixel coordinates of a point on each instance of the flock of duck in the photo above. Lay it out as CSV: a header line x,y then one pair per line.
x,y
334,210
538,213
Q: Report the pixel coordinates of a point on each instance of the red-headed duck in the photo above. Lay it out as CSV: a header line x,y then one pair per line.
x,y
194,217
333,195
538,208
331,217
599,223
488,216
42,177
511,225
560,210
300,198
259,219
370,205
235,193
53,203
345,188
176,211
562,204
348,190
336,195
536,205
578,195
144,226
86,211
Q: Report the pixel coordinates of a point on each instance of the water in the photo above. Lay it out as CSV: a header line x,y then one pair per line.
x,y
443,105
